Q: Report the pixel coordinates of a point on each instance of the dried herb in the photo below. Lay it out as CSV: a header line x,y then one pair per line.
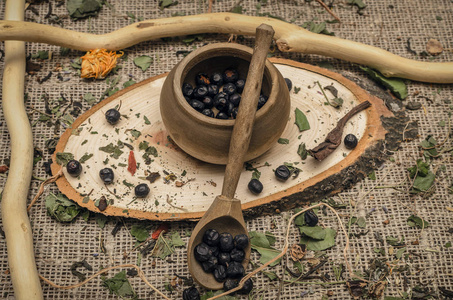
x,y
318,244
333,139
85,157
79,264
128,83
301,120
153,176
167,3
63,158
416,221
140,232
132,163
61,208
41,55
101,220
165,247
89,98
423,177
113,150
143,62
283,141
335,102
359,3
262,242
162,228
317,28
120,286
237,9
79,9
395,85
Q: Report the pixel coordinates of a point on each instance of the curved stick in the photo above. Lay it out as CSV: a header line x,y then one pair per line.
x,y
289,37
18,231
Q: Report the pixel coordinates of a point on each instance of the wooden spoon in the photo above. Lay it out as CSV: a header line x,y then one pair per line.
x,y
225,213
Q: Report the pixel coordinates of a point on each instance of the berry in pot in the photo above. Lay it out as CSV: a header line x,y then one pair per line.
x,y
235,99
222,104
289,83
202,252
112,116
255,186
229,109
211,237
229,284
217,78
261,101
214,250
282,173
226,243
350,141
191,294
208,112
210,265
213,90
230,75
141,190
247,287
234,113
224,258
107,175
220,273
310,218
208,102
187,99
237,255
240,85
222,116
202,79
187,89
229,88
235,270
197,105
200,91
74,168
221,95
241,241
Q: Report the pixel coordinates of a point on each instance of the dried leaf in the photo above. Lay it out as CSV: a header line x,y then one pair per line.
x,y
120,286
143,62
63,158
79,9
140,232
296,252
434,47
395,85
61,208
416,221
318,245
301,120
260,242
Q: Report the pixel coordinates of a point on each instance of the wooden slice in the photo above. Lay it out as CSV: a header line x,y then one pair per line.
x,y
186,186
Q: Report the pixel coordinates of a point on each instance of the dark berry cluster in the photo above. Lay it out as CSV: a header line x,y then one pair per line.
x,y
222,255
217,96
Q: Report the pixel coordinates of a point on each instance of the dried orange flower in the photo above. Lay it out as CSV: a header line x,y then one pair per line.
x,y
98,63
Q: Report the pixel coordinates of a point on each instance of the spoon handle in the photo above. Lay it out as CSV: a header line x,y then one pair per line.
x,y
242,130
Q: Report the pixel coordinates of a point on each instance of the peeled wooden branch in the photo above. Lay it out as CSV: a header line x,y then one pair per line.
x,y
289,37
19,238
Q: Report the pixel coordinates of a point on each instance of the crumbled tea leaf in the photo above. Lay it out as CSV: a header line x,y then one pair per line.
x,y
283,141
315,232
400,252
135,133
147,122
424,183
41,54
359,3
416,221
128,184
61,208
395,85
79,9
128,83
63,158
256,174
296,90
165,247
113,150
302,151
143,62
85,157
101,220
393,241
317,28
166,3
301,120
372,175
153,177
140,232
318,245
120,286
89,98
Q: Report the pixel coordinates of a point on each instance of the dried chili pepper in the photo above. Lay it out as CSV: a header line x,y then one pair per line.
x,y
132,163
158,231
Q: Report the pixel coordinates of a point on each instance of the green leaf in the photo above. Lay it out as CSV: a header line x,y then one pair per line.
x,y
283,141
301,120
128,83
392,298
372,175
416,221
237,9
400,252
262,243
395,85
88,97
112,149
41,54
211,294
61,208
393,241
143,62
302,151
135,133
447,245
120,286
176,240
101,220
315,232
63,158
421,169
147,122
361,222
166,3
140,232
85,157
165,247
359,3
424,183
79,9
318,245
317,28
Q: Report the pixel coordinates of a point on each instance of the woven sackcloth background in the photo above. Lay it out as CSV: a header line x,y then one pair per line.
x,y
425,268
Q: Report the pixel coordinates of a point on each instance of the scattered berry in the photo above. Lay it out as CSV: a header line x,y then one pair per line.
x,y
350,141
222,116
230,75
213,89
191,294
235,99
282,173
197,105
289,84
74,168
255,186
208,112
310,218
112,116
229,88
187,89
240,85
217,78
141,190
107,175
261,101
247,287
200,91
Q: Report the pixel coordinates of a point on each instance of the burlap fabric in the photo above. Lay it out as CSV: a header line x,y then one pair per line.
x,y
383,23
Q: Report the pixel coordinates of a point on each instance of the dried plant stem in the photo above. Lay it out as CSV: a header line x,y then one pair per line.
x,y
140,273
289,38
328,10
41,187
17,227
286,246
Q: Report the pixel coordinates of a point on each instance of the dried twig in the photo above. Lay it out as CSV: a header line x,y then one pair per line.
x,y
328,10
43,184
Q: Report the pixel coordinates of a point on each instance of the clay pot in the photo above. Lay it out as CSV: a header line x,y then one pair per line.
x,y
206,138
